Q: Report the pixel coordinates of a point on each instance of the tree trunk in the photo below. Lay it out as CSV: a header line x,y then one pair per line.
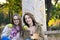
x,y
48,6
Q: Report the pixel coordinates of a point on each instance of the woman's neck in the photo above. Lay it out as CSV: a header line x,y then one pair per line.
x,y
16,25
31,25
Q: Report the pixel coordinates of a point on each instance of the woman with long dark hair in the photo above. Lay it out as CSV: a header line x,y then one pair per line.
x,y
33,30
14,32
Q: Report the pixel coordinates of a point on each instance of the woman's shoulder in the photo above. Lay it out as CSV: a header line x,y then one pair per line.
x,y
38,24
6,28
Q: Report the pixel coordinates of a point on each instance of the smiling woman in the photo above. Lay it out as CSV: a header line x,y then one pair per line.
x,y
33,30
13,31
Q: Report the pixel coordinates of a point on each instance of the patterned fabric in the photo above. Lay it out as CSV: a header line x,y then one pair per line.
x,y
14,32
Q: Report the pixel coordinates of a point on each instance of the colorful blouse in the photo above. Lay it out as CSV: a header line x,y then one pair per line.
x,y
14,31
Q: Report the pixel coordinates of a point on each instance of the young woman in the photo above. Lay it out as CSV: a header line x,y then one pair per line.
x,y
13,32
34,30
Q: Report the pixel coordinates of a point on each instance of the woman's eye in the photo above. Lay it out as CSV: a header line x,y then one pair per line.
x,y
28,17
25,18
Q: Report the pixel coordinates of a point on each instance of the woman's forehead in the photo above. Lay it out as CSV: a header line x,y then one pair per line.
x,y
15,17
27,16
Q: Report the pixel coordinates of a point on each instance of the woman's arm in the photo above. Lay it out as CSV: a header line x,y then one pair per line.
x,y
4,32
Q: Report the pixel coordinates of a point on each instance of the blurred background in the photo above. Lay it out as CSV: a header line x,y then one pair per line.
x,y
8,8
53,14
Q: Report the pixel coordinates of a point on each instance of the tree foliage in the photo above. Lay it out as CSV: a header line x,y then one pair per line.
x,y
9,8
53,11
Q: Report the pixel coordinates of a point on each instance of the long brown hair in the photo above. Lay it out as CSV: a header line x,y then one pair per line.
x,y
31,16
20,22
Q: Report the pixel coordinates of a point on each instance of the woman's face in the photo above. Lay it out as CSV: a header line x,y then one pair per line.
x,y
28,19
16,20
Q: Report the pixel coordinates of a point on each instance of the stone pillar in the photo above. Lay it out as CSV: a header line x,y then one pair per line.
x,y
37,8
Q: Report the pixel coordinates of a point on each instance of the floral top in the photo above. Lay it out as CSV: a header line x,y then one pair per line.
x,y
14,31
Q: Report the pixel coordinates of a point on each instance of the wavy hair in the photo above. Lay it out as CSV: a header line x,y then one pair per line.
x,y
31,16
